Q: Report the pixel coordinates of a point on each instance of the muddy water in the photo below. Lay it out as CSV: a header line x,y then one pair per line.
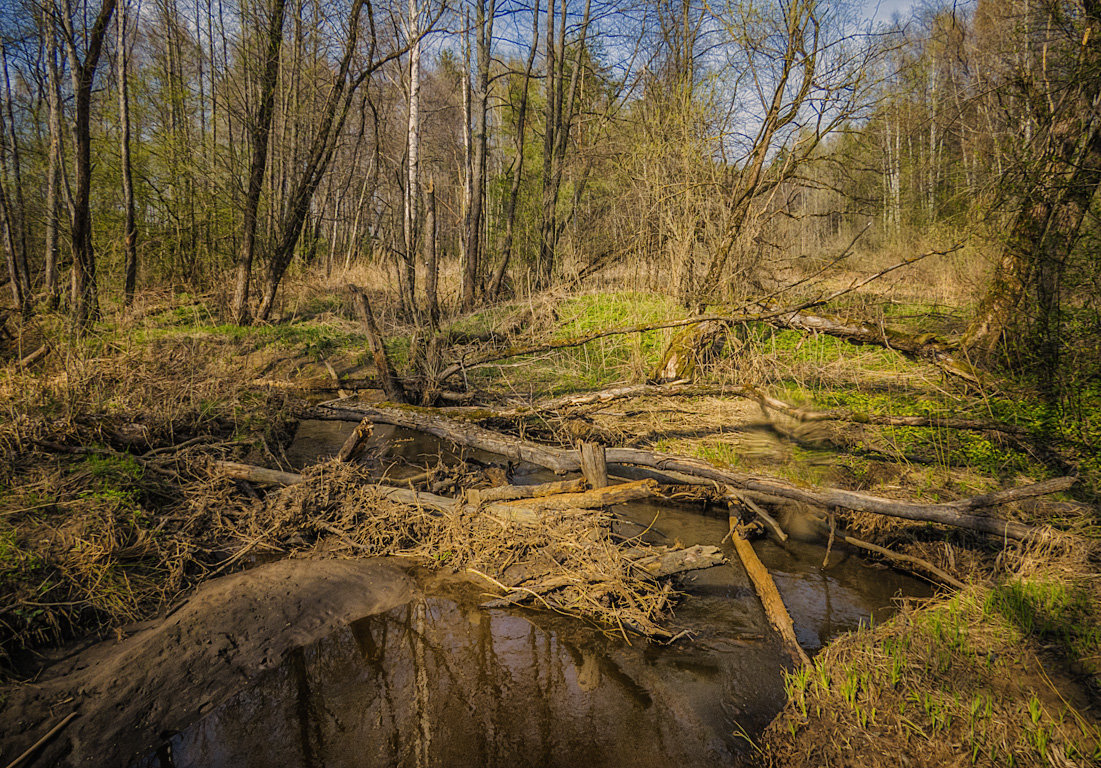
x,y
439,682
442,682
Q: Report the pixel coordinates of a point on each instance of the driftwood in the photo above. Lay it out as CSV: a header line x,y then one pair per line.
x,y
525,510
353,446
651,564
677,561
956,513
594,499
254,474
386,376
773,604
513,492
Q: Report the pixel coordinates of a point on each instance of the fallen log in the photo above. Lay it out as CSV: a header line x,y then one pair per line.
x,y
775,610
677,561
353,445
925,346
918,563
956,513
527,510
596,498
35,356
254,474
513,492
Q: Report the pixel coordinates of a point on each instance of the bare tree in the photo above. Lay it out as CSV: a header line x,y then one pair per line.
x,y
130,229
259,134
85,301
483,29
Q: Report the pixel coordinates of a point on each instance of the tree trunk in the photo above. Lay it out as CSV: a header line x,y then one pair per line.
x,y
17,207
411,220
518,167
471,252
85,302
431,257
260,132
53,173
130,230
390,385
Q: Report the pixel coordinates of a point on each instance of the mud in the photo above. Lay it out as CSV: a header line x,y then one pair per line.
x,y
131,692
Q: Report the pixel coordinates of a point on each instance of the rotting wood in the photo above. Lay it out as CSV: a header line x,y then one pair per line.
x,y
386,376
691,349
594,465
595,499
254,474
677,561
756,509
514,492
773,604
956,513
354,444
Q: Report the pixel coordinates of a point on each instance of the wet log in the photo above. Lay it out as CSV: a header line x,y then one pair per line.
x,y
353,446
386,376
956,513
775,610
594,466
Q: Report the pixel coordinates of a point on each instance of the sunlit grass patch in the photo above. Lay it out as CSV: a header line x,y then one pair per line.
x,y
955,682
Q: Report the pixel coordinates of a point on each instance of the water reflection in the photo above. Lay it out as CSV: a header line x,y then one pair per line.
x,y
437,683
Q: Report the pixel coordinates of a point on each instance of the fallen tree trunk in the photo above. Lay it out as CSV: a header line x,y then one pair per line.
x,y
775,610
513,492
923,346
955,513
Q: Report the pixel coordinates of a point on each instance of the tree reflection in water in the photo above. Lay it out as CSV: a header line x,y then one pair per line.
x,y
436,683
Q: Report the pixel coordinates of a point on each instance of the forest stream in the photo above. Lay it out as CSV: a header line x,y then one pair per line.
x,y
439,680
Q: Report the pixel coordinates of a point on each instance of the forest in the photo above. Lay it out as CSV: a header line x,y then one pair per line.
x,y
550,382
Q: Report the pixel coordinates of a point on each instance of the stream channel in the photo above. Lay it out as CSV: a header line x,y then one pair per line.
x,y
440,681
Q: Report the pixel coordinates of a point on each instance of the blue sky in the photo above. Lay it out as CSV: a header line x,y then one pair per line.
x,y
882,10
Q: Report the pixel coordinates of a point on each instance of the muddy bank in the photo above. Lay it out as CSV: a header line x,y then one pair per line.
x,y
130,694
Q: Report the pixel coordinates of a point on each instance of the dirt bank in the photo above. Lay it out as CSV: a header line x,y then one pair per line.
x,y
131,693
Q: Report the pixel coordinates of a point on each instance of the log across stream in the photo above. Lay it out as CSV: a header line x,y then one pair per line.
x,y
442,681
